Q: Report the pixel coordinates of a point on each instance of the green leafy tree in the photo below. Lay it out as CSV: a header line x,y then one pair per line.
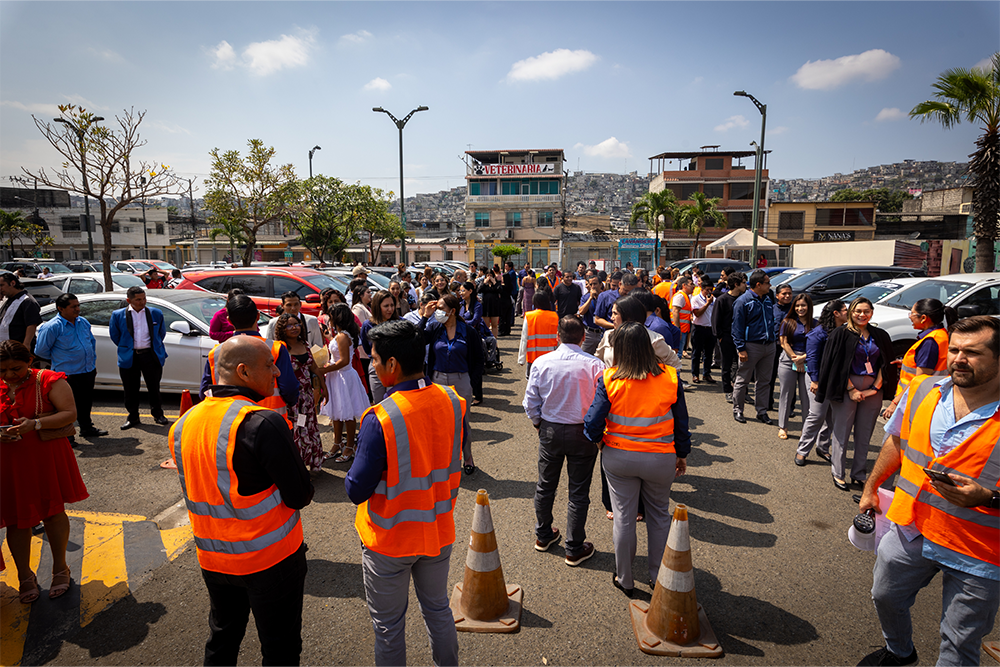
x,y
654,208
247,193
886,200
505,250
13,228
973,96
330,214
695,217
366,213
99,162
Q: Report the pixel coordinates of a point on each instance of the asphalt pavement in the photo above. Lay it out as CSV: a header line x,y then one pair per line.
x,y
774,571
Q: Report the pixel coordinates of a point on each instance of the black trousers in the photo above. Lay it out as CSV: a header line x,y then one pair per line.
x,y
82,385
558,442
275,597
146,365
703,345
506,314
729,357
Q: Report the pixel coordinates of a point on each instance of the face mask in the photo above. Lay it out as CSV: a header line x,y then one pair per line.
x,y
441,316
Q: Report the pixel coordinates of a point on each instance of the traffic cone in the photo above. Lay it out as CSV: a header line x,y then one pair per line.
x,y
673,623
185,406
483,602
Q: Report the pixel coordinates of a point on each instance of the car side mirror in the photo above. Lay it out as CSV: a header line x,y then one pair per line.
x,y
969,310
819,288
312,298
181,327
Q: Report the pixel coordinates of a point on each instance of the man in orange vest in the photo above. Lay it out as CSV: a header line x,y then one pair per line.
x,y
404,480
947,519
244,484
680,310
538,335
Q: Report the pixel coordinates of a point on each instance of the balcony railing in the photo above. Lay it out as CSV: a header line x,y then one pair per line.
x,y
512,199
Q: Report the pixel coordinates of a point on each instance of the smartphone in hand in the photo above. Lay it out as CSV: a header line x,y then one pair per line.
x,y
939,476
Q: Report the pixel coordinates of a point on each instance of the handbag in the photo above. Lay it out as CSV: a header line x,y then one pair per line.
x,y
46,434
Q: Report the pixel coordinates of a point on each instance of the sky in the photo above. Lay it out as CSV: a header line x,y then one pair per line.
x,y
610,83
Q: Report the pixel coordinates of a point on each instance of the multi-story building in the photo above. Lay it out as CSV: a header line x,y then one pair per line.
x,y
515,197
818,222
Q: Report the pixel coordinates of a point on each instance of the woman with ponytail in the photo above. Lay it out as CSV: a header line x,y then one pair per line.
x,y
929,355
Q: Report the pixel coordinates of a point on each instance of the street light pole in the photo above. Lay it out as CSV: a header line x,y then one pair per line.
x,y
314,149
145,239
86,199
762,108
402,213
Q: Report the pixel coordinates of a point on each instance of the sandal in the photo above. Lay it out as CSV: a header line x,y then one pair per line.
x,y
344,456
478,401
610,515
782,434
28,595
60,584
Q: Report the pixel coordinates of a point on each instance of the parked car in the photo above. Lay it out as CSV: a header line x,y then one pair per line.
x,y
968,293
785,276
713,267
835,282
874,292
376,280
186,314
265,285
92,283
133,265
33,267
43,292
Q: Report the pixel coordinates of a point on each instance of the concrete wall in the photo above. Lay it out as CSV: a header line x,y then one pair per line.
x,y
815,255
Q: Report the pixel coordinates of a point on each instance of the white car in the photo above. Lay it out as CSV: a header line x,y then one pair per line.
x,y
874,292
186,314
968,293
93,283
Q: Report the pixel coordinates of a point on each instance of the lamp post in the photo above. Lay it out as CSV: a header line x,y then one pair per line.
x,y
83,160
402,213
142,202
313,150
762,108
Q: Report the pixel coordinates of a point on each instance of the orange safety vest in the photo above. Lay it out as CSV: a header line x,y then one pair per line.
x,y
410,513
274,401
543,328
973,531
233,534
909,368
684,316
641,417
664,289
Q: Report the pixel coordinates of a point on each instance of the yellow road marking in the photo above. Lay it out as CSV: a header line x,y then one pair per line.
x,y
13,614
125,414
175,539
104,578
106,517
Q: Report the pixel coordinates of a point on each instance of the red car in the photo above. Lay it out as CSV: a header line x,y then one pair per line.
x,y
265,285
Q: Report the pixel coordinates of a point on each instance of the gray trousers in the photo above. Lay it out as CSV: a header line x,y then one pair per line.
x,y
857,417
462,384
555,443
387,589
378,391
789,377
760,359
592,340
631,474
817,429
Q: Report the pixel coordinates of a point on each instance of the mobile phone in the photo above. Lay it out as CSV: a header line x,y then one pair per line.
x,y
6,426
939,476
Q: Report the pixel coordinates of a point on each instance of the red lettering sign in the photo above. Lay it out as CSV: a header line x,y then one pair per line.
x,y
513,169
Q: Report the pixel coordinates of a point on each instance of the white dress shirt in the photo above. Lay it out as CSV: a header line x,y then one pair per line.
x,y
562,385
705,319
140,329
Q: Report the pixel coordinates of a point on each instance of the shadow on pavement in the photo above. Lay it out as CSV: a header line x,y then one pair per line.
x,y
719,496
327,579
487,437
107,446
530,620
498,488
330,488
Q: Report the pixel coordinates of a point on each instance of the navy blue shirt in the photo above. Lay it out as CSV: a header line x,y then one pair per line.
x,y
604,303
588,317
815,344
926,355
753,320
797,340
866,351
450,356
780,313
670,333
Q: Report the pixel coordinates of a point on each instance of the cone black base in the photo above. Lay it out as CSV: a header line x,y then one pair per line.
x,y
510,621
707,645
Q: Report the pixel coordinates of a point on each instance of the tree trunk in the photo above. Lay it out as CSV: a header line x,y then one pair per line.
x,y
985,255
985,171
251,245
106,223
697,237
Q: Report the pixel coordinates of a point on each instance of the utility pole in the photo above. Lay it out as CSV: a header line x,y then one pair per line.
x,y
194,222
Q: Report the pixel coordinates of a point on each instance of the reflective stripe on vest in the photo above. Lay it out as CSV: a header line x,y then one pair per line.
x,y
272,402
973,531
265,522
542,333
909,370
684,314
636,421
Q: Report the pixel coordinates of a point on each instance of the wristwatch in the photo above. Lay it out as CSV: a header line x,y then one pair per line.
x,y
38,425
994,501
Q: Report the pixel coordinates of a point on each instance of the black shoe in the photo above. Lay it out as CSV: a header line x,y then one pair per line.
x,y
800,462
764,419
709,379
739,417
469,469
131,424
543,545
92,432
161,420
841,485
824,455
629,592
884,656
588,551
859,482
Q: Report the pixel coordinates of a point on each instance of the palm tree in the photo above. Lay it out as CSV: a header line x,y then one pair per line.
x,y
650,208
695,217
974,96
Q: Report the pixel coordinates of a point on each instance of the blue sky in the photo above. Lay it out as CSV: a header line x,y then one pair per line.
x,y
611,83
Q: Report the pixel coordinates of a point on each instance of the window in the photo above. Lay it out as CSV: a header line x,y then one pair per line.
x,y
688,189
482,219
283,284
422,256
84,286
482,187
713,190
539,257
713,163
214,284
170,316
791,220
387,257
159,228
548,187
859,216
740,220
250,284
98,313
830,217
741,190
840,281
513,218
942,290
70,223
986,299
545,218
510,187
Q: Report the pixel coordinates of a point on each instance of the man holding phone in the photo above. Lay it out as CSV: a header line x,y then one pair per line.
x,y
950,427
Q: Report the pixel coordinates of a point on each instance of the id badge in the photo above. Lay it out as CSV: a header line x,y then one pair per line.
x,y
868,367
300,421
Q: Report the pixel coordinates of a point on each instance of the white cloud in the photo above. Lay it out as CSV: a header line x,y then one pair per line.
x,y
551,65
781,129
890,114
107,54
871,65
81,101
33,107
172,128
731,122
359,37
698,79
609,148
378,83
984,64
263,58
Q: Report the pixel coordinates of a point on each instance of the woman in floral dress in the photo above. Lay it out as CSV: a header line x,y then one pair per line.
x,y
290,331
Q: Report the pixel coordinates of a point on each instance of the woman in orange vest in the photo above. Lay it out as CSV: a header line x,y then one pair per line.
x,y
929,355
640,415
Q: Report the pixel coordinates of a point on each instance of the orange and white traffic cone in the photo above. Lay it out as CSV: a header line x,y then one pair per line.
x,y
186,404
483,602
673,623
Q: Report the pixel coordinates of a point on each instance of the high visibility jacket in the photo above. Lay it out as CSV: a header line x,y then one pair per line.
x,y
274,401
684,316
641,417
543,327
909,368
233,534
973,531
410,513
664,289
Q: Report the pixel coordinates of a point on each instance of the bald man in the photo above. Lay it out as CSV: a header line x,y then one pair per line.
x,y
245,518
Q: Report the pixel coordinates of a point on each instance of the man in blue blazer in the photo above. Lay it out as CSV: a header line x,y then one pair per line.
x,y
138,332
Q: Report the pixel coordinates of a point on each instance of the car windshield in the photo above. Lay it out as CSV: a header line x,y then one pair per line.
x,y
383,281
166,266
322,281
803,280
56,268
127,280
942,290
99,268
872,292
140,266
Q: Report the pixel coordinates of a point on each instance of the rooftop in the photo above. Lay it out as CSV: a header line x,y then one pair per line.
x,y
692,154
492,157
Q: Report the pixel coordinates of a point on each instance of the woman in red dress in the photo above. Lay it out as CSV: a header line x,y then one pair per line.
x,y
37,477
